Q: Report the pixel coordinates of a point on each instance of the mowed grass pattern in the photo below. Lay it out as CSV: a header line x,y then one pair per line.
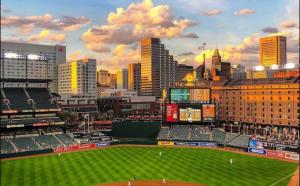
x,y
204,166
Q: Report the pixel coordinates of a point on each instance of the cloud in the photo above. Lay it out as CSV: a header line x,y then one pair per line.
x,y
78,54
212,12
190,35
138,21
270,30
46,35
186,54
46,21
245,11
288,24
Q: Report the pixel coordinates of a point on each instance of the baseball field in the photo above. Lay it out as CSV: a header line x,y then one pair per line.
x,y
120,164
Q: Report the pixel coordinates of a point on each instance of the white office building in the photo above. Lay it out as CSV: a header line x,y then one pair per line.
x,y
77,79
22,62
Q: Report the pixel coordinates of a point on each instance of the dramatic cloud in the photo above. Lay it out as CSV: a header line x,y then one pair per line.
x,y
190,35
212,12
288,24
46,35
46,21
138,21
186,54
245,11
270,30
78,54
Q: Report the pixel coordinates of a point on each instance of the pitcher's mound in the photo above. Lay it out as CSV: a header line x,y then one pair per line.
x,y
151,183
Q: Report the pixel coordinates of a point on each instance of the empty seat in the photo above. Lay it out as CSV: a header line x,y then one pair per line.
x,y
17,98
41,98
6,147
48,141
25,144
65,138
163,133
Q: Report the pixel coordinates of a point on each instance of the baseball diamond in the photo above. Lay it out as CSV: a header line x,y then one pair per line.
x,y
200,166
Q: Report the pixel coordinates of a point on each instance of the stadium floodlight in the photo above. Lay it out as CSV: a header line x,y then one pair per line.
x,y
259,68
290,66
10,55
33,57
274,67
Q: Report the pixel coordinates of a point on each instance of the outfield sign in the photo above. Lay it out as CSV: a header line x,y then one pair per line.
x,y
165,143
102,144
257,151
197,144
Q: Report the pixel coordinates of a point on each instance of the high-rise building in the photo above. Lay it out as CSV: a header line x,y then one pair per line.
x,y
238,72
122,79
220,70
182,71
103,77
78,78
134,77
32,62
158,68
272,51
113,80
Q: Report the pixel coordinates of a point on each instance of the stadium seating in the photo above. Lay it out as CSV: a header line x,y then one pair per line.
x,y
179,132
200,133
240,141
6,147
230,136
41,98
163,133
65,138
48,141
17,98
218,135
25,144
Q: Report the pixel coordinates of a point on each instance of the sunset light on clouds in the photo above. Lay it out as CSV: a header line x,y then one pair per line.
x,y
110,31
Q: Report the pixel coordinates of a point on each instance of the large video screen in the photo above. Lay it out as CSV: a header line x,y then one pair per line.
x,y
184,95
190,114
209,113
172,113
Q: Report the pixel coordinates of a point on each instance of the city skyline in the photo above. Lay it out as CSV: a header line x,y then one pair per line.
x,y
112,34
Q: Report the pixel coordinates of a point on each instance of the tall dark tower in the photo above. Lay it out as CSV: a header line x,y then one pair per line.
x,y
215,63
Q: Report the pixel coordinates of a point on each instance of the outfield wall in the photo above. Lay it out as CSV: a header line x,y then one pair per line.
x,y
139,129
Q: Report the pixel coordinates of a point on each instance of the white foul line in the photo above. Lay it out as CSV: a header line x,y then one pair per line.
x,y
282,179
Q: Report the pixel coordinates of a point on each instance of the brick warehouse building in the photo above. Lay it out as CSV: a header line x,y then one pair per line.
x,y
263,102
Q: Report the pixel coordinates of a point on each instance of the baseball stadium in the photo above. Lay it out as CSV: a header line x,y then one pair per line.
x,y
185,146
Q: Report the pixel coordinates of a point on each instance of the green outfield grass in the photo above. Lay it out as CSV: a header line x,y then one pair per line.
x,y
204,166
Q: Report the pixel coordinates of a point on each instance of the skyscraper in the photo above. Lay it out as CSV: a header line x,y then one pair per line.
x,y
23,61
272,51
134,77
157,67
182,71
219,70
103,77
77,78
122,79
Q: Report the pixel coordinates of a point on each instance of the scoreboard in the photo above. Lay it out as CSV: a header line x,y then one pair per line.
x,y
185,95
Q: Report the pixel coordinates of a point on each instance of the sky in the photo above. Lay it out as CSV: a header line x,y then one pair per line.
x,y
110,30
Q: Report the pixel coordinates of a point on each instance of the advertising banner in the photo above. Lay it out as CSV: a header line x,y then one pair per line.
x,y
102,144
208,112
172,113
291,156
275,154
165,143
74,147
257,151
198,144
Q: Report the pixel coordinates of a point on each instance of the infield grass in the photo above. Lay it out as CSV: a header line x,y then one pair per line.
x,y
203,166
